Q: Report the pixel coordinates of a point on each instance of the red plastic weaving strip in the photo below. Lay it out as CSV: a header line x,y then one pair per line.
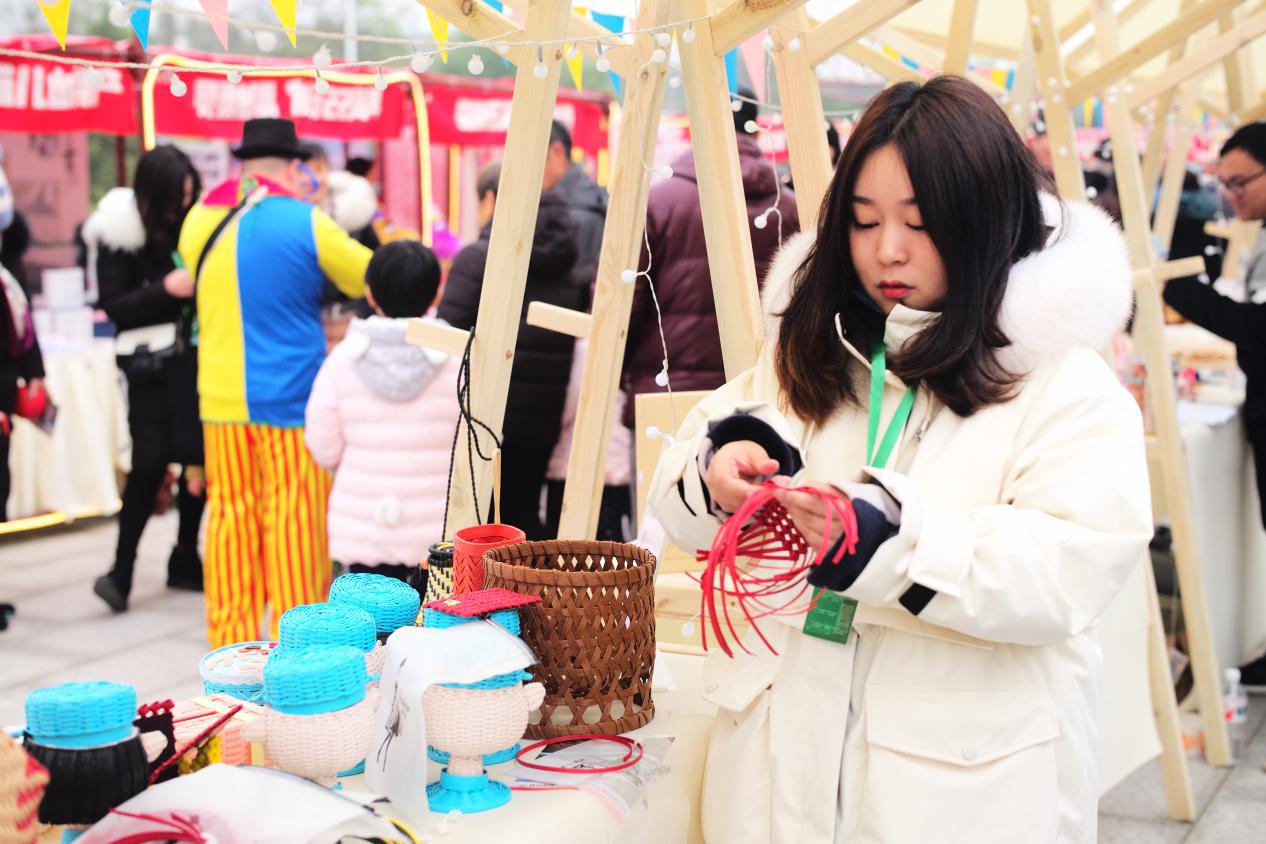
x,y
761,530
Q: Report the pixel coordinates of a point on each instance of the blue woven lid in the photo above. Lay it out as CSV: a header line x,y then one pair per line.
x,y
393,603
315,680
81,714
310,625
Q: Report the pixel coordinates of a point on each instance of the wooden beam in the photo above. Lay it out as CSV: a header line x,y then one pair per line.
x,y
435,335
1050,84
1195,64
563,320
835,33
513,228
979,46
1149,325
1237,92
803,120
1021,95
1123,62
1075,24
1175,775
928,57
742,19
622,236
1159,126
725,223
1178,268
1254,114
1166,214
1086,48
476,18
888,68
962,25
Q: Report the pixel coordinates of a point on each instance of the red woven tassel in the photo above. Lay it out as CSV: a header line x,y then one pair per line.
x,y
762,530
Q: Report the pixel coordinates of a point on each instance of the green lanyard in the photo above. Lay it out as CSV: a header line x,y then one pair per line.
x,y
832,615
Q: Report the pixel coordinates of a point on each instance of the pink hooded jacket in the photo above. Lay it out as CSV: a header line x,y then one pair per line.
x,y
381,416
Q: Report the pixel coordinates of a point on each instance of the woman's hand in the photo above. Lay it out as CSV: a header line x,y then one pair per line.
x,y
808,513
178,283
736,471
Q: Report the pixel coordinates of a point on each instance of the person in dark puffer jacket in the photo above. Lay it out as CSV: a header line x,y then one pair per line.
x,y
542,358
678,264
130,241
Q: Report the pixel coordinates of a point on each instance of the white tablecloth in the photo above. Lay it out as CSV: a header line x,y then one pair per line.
x,y
1229,533
74,470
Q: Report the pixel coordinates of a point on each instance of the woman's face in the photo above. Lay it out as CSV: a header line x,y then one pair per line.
x,y
892,253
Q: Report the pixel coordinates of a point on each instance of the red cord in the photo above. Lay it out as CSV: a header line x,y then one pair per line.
x,y
186,831
634,747
762,530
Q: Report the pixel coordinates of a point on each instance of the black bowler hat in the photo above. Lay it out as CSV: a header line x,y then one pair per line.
x,y
269,137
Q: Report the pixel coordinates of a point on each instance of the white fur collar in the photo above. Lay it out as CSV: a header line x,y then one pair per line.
x,y
1075,292
353,202
116,223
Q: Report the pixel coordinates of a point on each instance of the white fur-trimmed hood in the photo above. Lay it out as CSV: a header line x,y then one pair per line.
x,y
1075,292
116,223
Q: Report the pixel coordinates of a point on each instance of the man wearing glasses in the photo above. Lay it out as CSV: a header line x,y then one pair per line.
x,y
1242,172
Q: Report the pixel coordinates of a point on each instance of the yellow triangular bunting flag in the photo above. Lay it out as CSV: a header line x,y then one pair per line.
x,y
576,66
57,14
286,10
439,28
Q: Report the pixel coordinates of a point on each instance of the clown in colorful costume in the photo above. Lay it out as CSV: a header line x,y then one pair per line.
x,y
260,345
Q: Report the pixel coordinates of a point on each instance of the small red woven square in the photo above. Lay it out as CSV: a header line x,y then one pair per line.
x,y
482,602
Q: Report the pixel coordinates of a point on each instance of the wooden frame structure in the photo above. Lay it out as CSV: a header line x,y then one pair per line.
x,y
1041,72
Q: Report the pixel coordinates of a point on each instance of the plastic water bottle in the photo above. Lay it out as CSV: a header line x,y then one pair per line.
x,y
1235,707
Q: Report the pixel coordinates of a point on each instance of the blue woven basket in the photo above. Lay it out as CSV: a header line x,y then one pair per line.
x,y
315,680
507,619
393,603
323,625
81,714
236,670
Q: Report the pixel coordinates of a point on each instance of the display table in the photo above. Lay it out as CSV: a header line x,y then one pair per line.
x,y
1229,533
73,471
670,814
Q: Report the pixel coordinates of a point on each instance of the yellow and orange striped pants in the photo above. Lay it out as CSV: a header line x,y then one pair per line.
x,y
266,540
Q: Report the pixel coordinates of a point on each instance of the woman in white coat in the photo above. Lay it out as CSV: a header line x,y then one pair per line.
x,y
996,525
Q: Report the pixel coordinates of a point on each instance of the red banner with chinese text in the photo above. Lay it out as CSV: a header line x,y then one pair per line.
x,y
477,116
44,97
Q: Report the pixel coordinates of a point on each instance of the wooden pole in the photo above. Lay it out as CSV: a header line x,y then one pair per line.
x,y
742,19
1018,101
1175,775
962,24
888,68
725,224
1152,158
803,120
1166,215
833,34
1149,335
513,228
613,298
1193,65
1051,85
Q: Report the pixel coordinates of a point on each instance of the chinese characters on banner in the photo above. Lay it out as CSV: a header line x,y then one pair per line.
x,y
46,97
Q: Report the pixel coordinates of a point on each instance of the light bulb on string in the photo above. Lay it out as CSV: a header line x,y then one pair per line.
x,y
178,87
688,37
266,40
661,377
233,76
421,62
475,65
570,52
322,85
119,15
380,84
674,82
628,276
767,44
659,57
541,70
750,127
735,105
321,59
761,220
603,64
503,49
663,39
664,171
793,46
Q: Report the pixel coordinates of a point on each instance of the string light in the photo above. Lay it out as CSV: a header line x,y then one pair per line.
x,y
234,76
322,84
603,64
118,15
628,276
421,62
688,37
767,43
663,39
178,87
266,40
380,84
475,65
321,60
674,82
570,52
659,57
541,70
793,46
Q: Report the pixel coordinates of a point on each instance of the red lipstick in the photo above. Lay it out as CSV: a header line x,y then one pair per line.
x,y
894,289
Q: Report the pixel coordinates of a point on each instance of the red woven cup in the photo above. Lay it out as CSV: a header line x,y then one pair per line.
x,y
469,546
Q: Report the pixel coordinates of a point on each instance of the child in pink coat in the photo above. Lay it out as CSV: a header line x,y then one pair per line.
x,y
381,416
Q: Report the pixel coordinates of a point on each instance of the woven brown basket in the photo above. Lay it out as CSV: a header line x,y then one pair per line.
x,y
594,630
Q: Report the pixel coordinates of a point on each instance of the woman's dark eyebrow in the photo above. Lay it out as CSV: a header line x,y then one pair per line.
x,y
865,200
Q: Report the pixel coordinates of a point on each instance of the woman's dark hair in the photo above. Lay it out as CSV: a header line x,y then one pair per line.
x,y
160,194
977,188
403,276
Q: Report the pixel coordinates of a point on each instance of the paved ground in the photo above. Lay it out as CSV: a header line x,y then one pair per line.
x,y
63,632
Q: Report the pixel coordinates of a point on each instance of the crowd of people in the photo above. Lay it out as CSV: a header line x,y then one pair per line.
x,y
315,443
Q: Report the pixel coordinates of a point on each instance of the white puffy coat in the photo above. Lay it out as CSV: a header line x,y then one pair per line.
x,y
977,719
